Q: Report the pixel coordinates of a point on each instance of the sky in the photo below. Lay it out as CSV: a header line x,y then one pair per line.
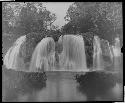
x,y
60,9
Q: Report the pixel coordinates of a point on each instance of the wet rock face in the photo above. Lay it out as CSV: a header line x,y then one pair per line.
x,y
50,47
58,50
27,48
106,52
58,47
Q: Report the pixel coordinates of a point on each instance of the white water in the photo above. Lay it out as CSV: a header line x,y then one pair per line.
x,y
116,48
107,53
73,55
102,47
43,57
117,54
97,55
12,59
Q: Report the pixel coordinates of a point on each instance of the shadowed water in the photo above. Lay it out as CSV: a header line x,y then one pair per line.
x,y
100,86
18,85
61,86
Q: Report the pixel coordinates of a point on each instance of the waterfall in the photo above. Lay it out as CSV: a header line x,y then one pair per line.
x,y
117,54
116,48
67,54
106,53
12,59
73,55
97,55
43,57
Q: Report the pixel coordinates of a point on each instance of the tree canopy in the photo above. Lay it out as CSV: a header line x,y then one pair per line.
x,y
26,17
101,18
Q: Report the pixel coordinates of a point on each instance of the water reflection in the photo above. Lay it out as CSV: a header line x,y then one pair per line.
x,y
99,86
18,86
60,86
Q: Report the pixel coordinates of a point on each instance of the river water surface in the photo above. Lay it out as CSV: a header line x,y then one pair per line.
x,y
60,86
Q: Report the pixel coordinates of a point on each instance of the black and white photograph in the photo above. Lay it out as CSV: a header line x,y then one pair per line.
x,y
62,51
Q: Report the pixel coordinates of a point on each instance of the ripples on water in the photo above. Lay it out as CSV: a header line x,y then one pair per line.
x,y
60,86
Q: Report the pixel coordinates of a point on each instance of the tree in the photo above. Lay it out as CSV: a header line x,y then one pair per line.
x,y
101,18
27,17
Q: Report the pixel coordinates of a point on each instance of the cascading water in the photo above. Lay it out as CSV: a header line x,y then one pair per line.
x,y
68,54
73,55
43,57
12,59
106,53
116,48
97,55
117,54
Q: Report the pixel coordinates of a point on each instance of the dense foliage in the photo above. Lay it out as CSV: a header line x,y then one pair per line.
x,y
101,18
22,18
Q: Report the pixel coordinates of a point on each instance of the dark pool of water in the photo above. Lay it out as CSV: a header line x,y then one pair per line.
x,y
60,86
